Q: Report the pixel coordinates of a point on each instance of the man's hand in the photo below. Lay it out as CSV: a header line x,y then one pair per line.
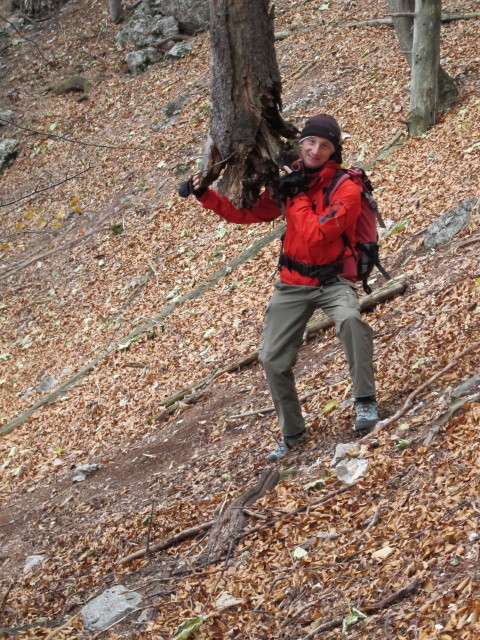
x,y
191,187
292,184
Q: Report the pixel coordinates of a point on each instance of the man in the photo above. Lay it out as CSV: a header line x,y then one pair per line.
x,y
317,270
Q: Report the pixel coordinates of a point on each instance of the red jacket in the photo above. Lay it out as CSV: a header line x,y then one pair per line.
x,y
313,233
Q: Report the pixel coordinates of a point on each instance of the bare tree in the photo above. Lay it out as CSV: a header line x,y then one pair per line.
x,y
247,132
417,25
116,11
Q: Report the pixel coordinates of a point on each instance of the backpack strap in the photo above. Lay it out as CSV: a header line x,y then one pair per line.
x,y
338,177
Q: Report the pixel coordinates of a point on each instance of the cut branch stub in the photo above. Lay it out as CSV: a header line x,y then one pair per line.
x,y
247,132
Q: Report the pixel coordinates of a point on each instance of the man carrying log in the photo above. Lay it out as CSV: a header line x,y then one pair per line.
x,y
317,270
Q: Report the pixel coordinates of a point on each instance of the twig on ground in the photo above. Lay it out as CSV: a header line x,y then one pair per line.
x,y
42,55
169,542
147,545
58,630
300,509
7,593
409,402
402,593
50,186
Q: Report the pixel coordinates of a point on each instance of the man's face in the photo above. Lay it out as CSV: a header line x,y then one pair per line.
x,y
315,151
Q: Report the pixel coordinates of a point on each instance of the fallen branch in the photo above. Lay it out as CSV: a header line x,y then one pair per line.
x,y
225,533
402,593
58,630
393,288
209,283
409,401
186,534
50,186
447,17
301,509
179,37
35,44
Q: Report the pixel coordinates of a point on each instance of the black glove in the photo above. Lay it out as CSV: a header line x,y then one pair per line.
x,y
292,184
186,189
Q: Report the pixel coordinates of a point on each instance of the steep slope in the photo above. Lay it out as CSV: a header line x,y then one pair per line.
x,y
85,287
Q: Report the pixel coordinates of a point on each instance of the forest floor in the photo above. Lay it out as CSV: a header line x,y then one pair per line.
x,y
110,246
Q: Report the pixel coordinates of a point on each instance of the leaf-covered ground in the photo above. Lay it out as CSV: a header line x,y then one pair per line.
x,y
73,289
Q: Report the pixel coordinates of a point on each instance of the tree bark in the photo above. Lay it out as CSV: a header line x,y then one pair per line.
x,y
246,127
403,13
425,66
403,25
116,11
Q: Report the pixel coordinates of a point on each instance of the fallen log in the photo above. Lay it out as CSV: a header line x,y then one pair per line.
x,y
447,17
394,287
230,523
402,593
186,534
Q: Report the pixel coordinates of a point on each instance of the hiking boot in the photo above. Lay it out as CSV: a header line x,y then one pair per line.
x,y
284,446
366,416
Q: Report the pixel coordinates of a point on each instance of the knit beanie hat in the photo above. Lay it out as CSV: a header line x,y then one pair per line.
x,y
323,126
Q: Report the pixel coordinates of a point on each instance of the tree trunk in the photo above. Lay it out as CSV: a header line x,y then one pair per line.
x,y
116,11
246,127
404,26
425,66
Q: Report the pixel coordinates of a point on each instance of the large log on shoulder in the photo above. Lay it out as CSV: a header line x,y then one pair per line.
x,y
248,136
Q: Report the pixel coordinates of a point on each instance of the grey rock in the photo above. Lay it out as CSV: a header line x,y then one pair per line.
x,y
8,152
5,114
153,55
174,107
109,607
342,450
191,15
180,50
15,23
136,61
449,224
138,32
47,384
84,470
165,26
32,562
350,470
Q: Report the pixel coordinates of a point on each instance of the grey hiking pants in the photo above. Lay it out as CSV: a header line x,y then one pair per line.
x,y
288,312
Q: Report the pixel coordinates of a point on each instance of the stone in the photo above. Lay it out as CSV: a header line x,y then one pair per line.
x,y
180,50
191,15
350,470
136,62
344,449
5,114
444,228
153,55
174,107
109,607
84,470
32,562
138,32
165,27
8,152
47,384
